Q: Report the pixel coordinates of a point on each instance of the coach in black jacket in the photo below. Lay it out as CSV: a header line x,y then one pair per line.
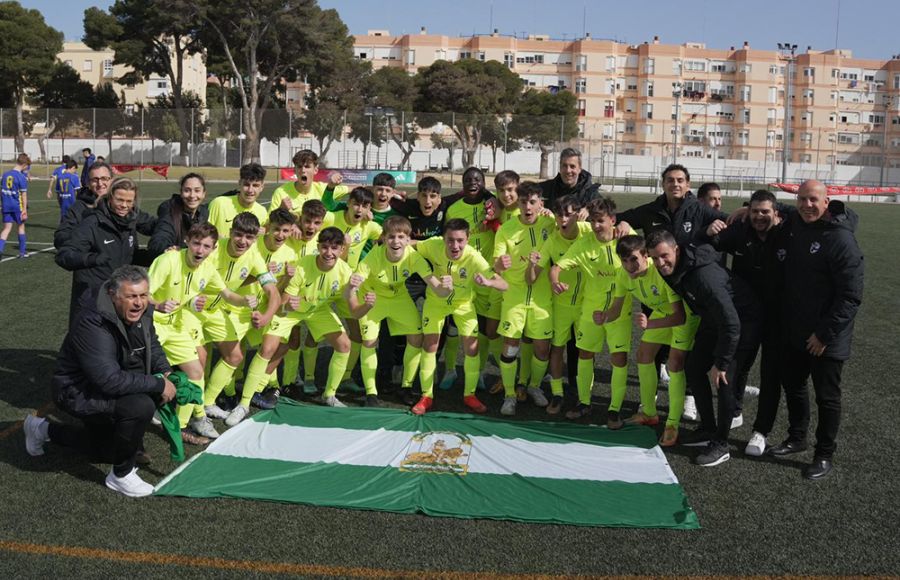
x,y
104,240
695,274
823,292
97,186
110,374
676,211
571,180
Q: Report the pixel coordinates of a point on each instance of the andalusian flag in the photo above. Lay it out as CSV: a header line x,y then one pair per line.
x,y
441,464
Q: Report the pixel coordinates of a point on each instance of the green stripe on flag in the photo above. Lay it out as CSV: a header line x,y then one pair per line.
x,y
506,497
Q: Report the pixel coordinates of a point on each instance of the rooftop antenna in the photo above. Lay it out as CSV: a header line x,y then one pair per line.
x,y
584,21
837,24
492,15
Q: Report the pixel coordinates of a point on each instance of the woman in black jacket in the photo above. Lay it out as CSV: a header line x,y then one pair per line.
x,y
177,214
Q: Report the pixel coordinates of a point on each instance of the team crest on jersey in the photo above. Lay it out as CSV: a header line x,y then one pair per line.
x,y
654,290
130,241
814,247
687,227
545,234
202,283
405,273
334,287
279,266
244,272
781,254
440,216
463,273
506,325
357,237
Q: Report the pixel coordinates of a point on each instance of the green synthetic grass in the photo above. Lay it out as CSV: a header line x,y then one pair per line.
x,y
758,516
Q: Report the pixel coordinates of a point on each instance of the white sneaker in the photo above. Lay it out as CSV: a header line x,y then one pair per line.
x,y
203,427
332,401
757,445
237,415
737,421
215,412
131,485
154,420
663,376
36,429
509,406
690,409
751,391
537,395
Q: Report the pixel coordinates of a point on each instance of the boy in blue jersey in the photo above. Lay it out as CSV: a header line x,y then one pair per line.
x,y
14,185
89,159
54,177
67,185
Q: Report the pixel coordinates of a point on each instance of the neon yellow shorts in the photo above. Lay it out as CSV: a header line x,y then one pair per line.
x,y
565,319
533,320
487,302
342,308
320,322
616,334
437,310
226,325
402,316
680,337
177,342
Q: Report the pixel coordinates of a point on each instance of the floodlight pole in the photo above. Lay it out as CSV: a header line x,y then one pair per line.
x,y
676,92
788,98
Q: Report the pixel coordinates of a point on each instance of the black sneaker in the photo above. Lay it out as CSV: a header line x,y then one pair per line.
x,y
372,401
408,397
614,421
716,453
265,400
699,437
787,447
227,402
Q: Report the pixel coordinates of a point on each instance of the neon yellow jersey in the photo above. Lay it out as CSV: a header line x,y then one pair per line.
x,y
650,289
172,279
276,262
599,262
507,214
318,289
225,208
316,191
359,234
304,248
518,240
553,251
235,272
462,270
387,279
480,237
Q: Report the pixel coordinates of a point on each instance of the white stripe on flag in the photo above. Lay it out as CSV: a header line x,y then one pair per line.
x,y
489,455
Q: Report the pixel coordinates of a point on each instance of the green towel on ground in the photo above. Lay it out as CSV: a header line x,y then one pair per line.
x,y
186,393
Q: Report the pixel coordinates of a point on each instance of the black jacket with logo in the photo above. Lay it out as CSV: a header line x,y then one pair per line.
x,y
758,262
85,201
91,367
823,280
688,223
706,287
101,243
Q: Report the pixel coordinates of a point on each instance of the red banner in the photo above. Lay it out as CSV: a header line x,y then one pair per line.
x,y
162,170
287,174
841,189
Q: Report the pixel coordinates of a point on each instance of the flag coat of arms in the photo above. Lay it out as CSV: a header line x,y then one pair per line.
x,y
441,464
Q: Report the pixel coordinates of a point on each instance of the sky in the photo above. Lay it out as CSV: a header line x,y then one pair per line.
x,y
866,27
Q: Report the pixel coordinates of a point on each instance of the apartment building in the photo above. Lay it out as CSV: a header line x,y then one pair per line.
x,y
96,67
649,98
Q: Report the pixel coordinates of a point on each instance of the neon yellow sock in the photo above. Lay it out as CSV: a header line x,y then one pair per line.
x,y
310,353
585,379
618,386
538,370
256,379
291,366
427,366
677,385
556,387
412,356
451,350
508,374
335,372
472,369
199,413
649,379
352,358
526,353
494,349
368,366
221,375
231,387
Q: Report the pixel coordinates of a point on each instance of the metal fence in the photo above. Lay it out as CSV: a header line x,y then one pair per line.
x,y
380,138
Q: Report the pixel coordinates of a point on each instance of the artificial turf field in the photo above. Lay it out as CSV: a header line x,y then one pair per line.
x,y
758,516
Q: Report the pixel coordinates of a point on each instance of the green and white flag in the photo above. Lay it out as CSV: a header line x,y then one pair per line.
x,y
441,464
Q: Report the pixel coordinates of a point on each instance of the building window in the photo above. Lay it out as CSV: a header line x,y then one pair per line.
x,y
609,109
580,85
896,82
107,67
464,54
695,65
649,66
746,68
87,65
648,88
773,94
745,93
581,63
647,112
509,59
611,63
481,56
631,83
745,115
582,107
809,72
676,67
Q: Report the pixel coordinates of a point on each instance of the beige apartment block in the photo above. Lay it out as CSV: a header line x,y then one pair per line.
x,y
729,103
96,67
